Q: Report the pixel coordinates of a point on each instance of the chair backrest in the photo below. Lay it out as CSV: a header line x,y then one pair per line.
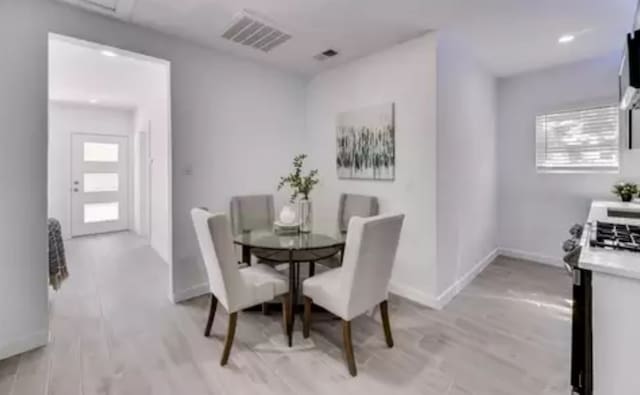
x,y
355,206
216,245
252,212
368,261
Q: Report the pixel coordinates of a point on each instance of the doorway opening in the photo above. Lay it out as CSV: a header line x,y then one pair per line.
x,y
109,152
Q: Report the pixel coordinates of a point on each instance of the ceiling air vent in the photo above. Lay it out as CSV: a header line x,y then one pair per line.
x,y
329,53
251,31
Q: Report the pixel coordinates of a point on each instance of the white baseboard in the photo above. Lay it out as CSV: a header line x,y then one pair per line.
x,y
412,294
24,343
440,301
189,293
530,256
448,294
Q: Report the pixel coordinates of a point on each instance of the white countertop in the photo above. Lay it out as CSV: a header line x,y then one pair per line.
x,y
614,262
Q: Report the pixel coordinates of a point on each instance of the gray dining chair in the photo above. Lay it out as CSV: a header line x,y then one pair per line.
x,y
352,205
251,212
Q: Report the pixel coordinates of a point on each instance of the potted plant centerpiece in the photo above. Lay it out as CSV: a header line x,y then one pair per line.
x,y
301,186
626,191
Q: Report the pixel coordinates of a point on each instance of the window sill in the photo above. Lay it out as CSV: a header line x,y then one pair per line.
x,y
578,171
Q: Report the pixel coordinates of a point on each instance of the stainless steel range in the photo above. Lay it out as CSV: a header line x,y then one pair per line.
x,y
581,323
616,236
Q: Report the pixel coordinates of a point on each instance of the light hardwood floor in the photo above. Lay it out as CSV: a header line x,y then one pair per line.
x,y
114,331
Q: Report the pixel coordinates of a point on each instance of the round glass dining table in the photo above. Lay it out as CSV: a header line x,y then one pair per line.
x,y
293,249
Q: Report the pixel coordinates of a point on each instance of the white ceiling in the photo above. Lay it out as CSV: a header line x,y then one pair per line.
x,y
508,36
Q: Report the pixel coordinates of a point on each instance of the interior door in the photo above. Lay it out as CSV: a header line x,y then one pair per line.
x,y
99,178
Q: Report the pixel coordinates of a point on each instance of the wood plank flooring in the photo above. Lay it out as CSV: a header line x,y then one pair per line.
x,y
114,331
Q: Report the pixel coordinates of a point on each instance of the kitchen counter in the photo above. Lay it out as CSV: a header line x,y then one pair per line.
x,y
607,314
613,262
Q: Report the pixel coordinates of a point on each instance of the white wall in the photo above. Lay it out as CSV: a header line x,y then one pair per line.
x,y
466,168
212,137
239,126
446,176
153,112
536,210
64,120
23,200
406,75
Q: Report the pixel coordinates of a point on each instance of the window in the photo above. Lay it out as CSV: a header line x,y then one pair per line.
x,y
578,140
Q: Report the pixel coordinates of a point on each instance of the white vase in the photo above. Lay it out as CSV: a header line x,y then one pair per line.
x,y
305,215
288,215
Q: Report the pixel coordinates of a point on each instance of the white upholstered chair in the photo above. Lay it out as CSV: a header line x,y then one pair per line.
x,y
362,281
233,287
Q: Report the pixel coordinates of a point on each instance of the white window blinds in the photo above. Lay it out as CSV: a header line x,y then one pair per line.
x,y
578,140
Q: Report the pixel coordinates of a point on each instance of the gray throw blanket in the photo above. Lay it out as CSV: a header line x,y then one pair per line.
x,y
58,271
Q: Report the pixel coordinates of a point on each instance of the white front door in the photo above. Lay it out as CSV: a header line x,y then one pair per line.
x,y
99,184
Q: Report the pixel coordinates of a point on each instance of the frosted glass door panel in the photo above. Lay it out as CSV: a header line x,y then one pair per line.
x,y
100,152
101,212
100,182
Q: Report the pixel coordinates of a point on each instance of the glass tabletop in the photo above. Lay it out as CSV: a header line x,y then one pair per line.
x,y
271,240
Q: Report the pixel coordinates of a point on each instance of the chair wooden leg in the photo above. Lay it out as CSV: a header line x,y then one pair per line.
x,y
312,269
231,332
265,309
246,255
212,314
306,324
348,347
384,312
293,292
285,312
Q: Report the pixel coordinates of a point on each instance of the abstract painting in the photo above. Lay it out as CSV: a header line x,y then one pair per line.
x,y
366,143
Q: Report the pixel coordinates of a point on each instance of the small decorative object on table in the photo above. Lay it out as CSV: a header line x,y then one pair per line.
x,y
287,222
625,190
301,186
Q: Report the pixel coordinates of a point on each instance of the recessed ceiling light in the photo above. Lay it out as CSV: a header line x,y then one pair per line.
x,y
567,38
108,53
93,101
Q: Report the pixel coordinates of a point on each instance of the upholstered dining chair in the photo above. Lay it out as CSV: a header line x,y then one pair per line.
x,y
233,287
251,212
355,206
349,206
361,282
